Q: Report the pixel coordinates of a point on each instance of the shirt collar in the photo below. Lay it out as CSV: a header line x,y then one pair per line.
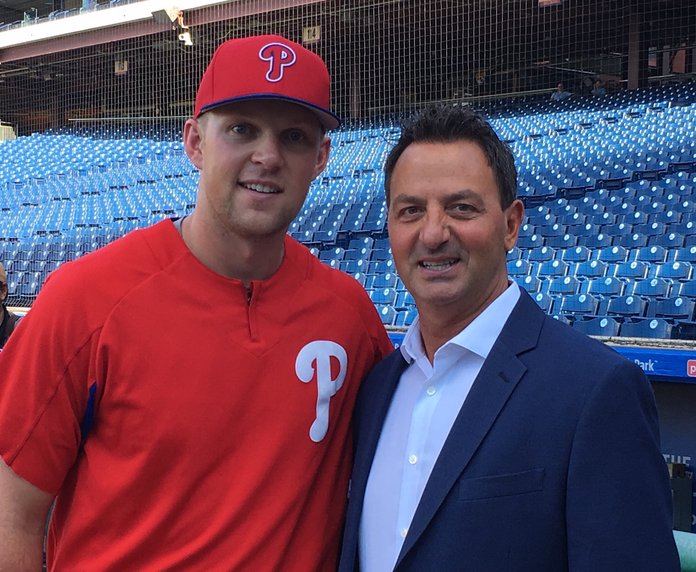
x,y
478,337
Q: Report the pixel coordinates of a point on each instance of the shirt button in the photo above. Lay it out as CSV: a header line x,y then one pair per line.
x,y
412,459
431,390
404,532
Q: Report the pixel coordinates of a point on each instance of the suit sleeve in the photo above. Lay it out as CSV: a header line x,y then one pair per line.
x,y
618,506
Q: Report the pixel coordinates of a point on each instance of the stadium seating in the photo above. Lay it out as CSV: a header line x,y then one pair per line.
x,y
604,326
655,328
609,232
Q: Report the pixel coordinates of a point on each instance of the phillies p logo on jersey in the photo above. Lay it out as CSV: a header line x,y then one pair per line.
x,y
279,57
315,359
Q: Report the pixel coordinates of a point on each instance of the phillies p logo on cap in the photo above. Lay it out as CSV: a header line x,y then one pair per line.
x,y
266,67
279,56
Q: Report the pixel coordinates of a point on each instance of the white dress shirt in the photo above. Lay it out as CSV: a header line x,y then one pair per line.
x,y
425,405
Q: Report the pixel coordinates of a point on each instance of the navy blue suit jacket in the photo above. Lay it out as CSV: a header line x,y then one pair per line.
x,y
552,464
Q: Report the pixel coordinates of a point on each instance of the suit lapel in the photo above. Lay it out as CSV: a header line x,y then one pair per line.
x,y
498,378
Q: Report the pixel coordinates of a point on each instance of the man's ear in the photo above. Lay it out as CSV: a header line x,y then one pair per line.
x,y
513,215
193,137
322,156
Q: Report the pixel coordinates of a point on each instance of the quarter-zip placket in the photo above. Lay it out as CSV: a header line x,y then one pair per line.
x,y
251,314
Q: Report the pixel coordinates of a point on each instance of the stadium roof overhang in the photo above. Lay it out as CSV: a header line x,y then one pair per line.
x,y
108,24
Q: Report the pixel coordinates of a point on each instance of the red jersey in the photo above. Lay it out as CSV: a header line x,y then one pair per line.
x,y
220,435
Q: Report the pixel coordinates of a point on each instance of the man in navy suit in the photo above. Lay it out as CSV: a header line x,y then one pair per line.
x,y
496,438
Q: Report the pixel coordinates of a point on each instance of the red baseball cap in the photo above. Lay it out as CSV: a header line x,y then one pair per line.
x,y
266,67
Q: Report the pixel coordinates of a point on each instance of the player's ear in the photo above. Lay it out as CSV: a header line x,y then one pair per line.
x,y
193,138
322,156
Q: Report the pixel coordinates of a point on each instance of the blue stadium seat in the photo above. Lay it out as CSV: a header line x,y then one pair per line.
x,y
377,267
331,254
586,230
353,266
514,253
552,268
687,228
333,264
404,300
671,240
592,210
361,277
551,230
653,287
579,304
650,229
383,296
678,270
531,284
357,253
677,307
406,318
632,270
28,289
576,254
387,280
686,254
575,219
627,306
527,229
542,254
529,242
635,217
380,254
590,269
387,313
685,207
605,287
668,217
598,241
539,215
564,286
325,237
603,219
615,253
362,242
604,326
564,241
633,240
520,267
401,316
20,265
376,225
653,328
688,288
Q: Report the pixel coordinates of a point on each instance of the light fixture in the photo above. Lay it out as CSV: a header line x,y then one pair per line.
x,y
186,38
44,29
184,32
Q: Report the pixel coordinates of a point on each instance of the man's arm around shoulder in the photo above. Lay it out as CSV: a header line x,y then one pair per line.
x,y
23,512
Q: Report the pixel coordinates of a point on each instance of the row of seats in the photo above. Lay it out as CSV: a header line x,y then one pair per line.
x,y
609,194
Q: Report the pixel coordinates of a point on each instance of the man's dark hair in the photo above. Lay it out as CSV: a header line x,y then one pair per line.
x,y
448,124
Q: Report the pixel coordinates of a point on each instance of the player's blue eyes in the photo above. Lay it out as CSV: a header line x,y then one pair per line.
x,y
295,136
240,129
